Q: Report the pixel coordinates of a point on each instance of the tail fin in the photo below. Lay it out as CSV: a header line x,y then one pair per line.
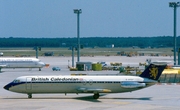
x,y
153,71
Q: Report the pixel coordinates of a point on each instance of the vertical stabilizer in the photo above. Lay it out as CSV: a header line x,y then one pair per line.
x,y
153,71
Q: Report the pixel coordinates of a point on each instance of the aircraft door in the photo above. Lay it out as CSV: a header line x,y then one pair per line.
x,y
90,82
28,84
84,82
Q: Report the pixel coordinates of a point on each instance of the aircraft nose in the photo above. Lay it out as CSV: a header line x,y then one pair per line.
x,y
42,63
7,86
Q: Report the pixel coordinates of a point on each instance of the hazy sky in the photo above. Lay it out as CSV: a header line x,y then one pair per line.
x,y
99,18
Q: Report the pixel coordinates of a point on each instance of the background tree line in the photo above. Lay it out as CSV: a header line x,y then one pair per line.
x,y
143,42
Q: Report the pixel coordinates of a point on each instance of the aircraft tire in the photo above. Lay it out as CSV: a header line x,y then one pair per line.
x,y
29,96
96,96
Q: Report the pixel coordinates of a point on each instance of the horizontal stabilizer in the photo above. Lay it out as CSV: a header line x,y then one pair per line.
x,y
160,62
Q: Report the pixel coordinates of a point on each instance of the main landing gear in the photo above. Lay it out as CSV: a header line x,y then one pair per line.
x,y
29,96
96,96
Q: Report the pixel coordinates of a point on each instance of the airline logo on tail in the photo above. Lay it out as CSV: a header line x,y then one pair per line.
x,y
153,71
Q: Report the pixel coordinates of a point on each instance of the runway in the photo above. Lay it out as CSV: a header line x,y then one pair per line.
x,y
157,97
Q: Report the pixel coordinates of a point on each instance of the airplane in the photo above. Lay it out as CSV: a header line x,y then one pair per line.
x,y
86,84
21,63
176,67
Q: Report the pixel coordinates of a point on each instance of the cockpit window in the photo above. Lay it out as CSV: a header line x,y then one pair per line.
x,y
16,81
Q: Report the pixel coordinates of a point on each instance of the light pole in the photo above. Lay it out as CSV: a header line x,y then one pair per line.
x,y
73,56
78,12
36,48
174,5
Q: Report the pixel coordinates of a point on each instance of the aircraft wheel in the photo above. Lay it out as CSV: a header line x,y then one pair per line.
x,y
39,69
96,96
29,96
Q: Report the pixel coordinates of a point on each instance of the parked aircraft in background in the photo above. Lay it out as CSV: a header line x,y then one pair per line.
x,y
86,84
21,63
176,67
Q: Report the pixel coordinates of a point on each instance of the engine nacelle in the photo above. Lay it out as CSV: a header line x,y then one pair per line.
x,y
127,84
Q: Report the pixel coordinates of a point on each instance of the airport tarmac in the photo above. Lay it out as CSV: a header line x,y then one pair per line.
x,y
157,97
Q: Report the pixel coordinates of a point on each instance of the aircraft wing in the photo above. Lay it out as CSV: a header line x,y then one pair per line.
x,y
93,90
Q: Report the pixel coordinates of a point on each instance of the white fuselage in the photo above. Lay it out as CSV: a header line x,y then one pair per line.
x,y
77,84
86,84
20,63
